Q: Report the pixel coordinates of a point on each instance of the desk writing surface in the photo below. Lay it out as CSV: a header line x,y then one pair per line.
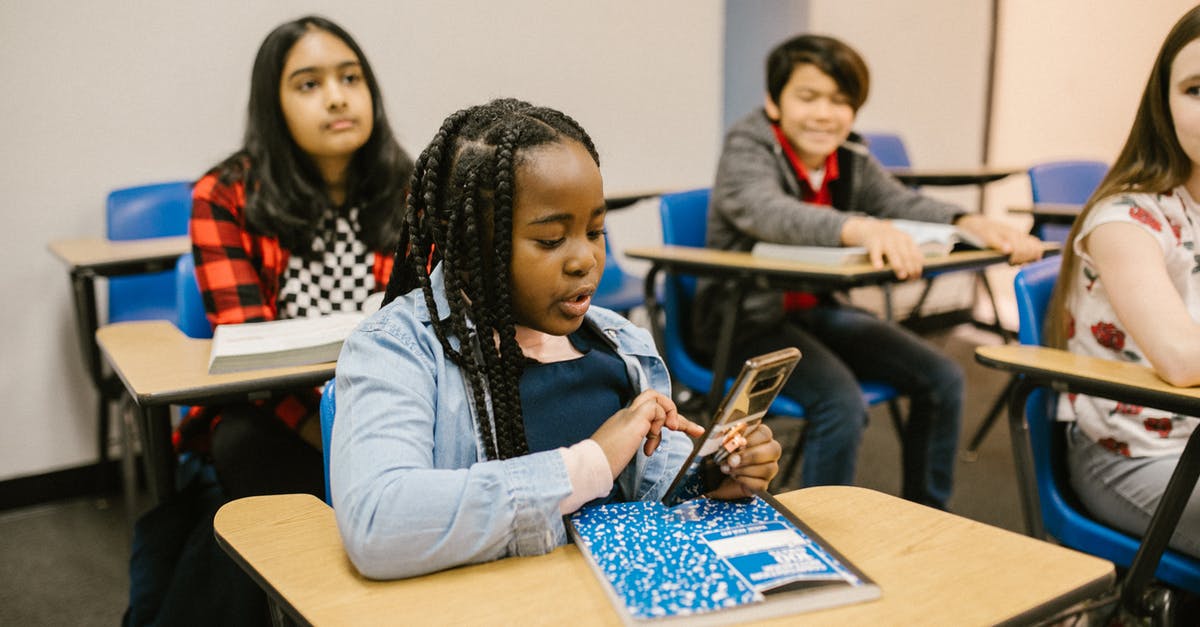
x,y
1049,209
933,568
1116,379
159,364
712,261
93,252
952,176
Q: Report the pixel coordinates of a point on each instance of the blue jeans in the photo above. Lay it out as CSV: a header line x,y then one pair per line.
x,y
840,346
1124,491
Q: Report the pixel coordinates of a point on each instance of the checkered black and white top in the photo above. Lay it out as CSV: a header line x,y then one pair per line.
x,y
335,276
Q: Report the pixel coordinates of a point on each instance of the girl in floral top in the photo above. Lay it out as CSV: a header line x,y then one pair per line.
x,y
1129,290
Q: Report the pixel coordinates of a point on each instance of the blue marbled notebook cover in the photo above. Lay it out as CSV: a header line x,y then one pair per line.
x,y
700,556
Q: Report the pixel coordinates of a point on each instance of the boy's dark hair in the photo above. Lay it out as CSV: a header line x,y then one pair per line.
x,y
459,214
831,56
285,193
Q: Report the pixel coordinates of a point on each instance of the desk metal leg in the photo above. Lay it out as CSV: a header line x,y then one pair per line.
x,y
1162,525
720,367
158,452
972,451
83,294
1018,430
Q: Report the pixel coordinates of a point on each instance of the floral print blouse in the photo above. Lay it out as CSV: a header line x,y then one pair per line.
x,y
1173,219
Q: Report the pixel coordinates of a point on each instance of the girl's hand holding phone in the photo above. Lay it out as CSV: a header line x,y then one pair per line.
x,y
752,467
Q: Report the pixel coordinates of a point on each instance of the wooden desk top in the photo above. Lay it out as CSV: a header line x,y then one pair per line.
x,y
952,176
687,259
107,257
1128,382
159,365
1056,209
933,568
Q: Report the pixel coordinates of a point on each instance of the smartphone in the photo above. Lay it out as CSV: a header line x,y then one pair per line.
x,y
740,412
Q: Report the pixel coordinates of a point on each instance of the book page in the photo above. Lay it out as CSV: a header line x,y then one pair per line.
x,y
282,335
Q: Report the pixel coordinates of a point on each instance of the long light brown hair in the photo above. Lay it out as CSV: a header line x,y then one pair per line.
x,y
1152,161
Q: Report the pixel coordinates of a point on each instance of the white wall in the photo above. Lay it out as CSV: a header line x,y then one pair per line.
x,y
1064,93
105,94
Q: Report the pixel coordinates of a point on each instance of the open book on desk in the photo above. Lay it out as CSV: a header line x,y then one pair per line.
x,y
282,343
935,239
711,561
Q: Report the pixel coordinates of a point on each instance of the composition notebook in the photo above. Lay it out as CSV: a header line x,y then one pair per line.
x,y
707,561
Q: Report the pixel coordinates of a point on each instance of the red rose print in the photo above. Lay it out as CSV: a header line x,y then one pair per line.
x,y
1143,216
1161,426
1178,231
1109,336
1070,325
1120,448
1127,409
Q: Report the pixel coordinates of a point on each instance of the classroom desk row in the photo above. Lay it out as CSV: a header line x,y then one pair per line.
x,y
933,568
160,366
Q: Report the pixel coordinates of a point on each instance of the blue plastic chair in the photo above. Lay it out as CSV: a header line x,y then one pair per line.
x,y
1063,517
189,304
328,409
618,290
158,210
684,218
1066,182
888,148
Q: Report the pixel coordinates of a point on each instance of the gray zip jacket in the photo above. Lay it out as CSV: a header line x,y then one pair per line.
x,y
757,197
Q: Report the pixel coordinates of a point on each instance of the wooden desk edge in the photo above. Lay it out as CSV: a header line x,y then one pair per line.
x,y
1095,574
1091,375
95,251
112,341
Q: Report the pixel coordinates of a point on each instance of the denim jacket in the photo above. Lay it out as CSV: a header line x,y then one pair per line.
x,y
411,490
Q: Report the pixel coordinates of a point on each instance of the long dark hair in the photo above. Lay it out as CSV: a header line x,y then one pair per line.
x,y
285,193
1152,161
459,215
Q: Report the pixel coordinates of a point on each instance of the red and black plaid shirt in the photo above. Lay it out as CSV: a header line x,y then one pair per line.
x,y
239,276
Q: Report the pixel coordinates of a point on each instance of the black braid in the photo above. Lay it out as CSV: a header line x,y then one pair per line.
x,y
459,217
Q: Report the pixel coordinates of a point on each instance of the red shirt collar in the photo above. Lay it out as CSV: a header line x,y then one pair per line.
x,y
822,196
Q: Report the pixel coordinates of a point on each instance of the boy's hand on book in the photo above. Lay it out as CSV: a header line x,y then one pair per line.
x,y
884,242
752,468
1020,247
641,423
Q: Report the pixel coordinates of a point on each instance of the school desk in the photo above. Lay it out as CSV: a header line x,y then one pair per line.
x,y
934,568
738,270
952,176
1066,372
89,258
1048,213
160,366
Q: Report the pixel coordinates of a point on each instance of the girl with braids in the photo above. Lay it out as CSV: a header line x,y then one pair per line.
x,y
487,398
285,227
1129,290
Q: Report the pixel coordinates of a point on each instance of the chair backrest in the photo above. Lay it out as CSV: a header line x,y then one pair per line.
x,y
328,408
189,304
1068,182
1062,515
888,148
684,218
157,210
618,290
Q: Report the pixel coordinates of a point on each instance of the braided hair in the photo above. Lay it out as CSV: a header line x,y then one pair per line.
x,y
459,215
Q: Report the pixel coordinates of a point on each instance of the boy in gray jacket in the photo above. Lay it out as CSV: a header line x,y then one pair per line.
x,y
793,173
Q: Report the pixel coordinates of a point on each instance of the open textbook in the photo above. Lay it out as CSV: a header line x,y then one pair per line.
x,y
934,238
281,343
707,561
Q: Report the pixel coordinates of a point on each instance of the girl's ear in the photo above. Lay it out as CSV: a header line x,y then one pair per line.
x,y
771,108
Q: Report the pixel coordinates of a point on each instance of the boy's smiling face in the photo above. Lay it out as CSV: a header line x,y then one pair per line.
x,y
813,113
557,237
